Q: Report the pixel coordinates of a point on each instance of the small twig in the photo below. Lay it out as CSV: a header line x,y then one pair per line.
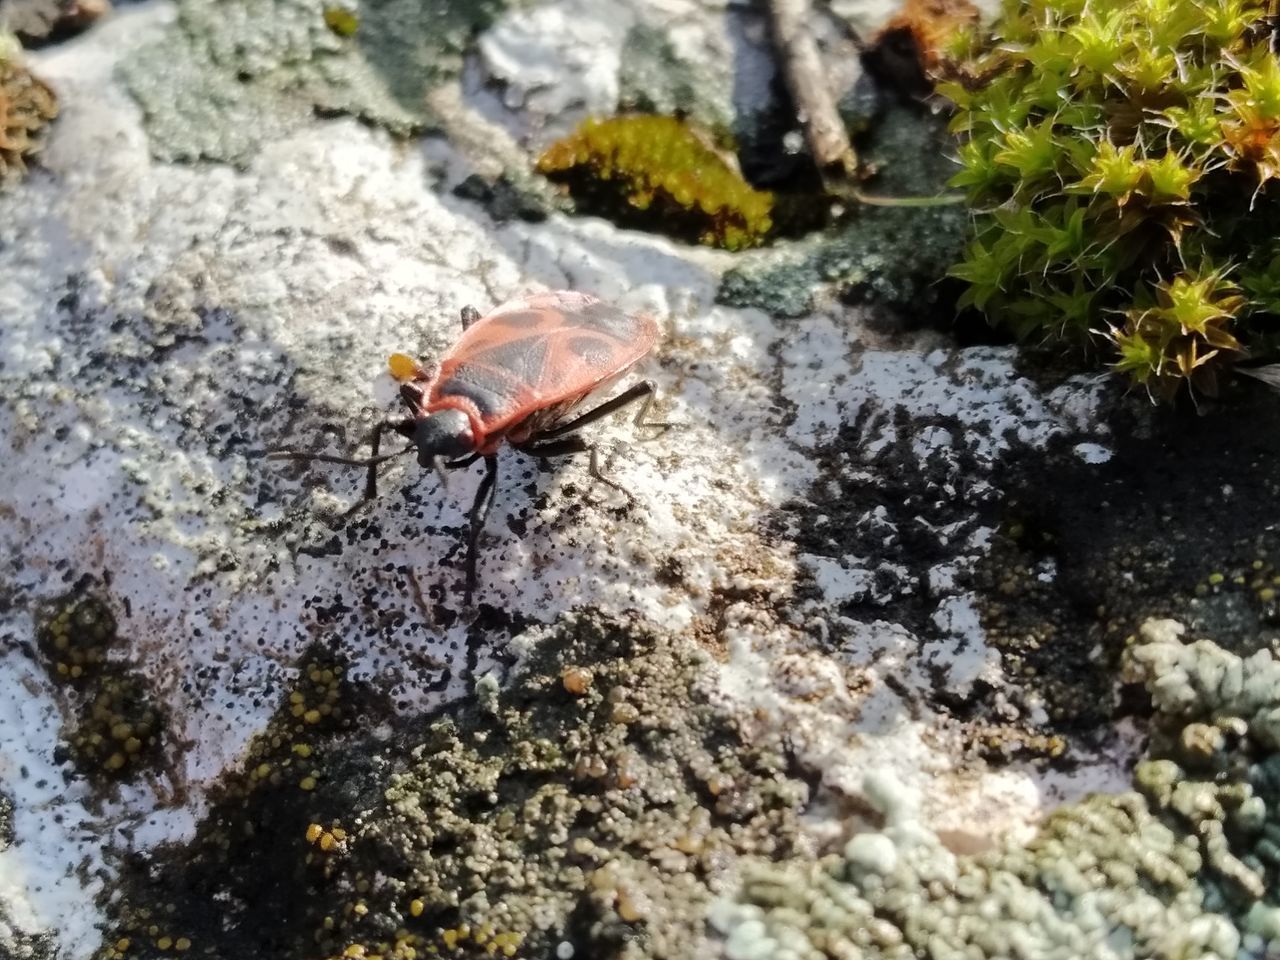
x,y
806,79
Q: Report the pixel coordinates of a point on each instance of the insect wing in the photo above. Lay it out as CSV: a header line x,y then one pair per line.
x,y
541,350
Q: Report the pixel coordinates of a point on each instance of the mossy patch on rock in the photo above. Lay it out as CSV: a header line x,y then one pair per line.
x,y
228,75
1118,158
655,172
600,801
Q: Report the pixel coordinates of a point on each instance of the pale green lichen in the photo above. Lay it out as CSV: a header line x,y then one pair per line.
x,y
654,78
893,256
1185,866
230,74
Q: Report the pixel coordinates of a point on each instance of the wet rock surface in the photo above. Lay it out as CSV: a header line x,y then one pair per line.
x,y
873,612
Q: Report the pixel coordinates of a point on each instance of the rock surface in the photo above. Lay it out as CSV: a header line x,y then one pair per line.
x,y
866,556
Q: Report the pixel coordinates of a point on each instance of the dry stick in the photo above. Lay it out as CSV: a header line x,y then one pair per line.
x,y
825,131
828,139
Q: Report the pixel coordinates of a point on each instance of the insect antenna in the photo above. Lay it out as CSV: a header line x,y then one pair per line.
x,y
439,465
330,458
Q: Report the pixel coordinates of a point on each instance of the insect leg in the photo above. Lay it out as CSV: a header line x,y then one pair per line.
x,y
405,429
644,388
469,316
567,446
412,396
479,513
642,420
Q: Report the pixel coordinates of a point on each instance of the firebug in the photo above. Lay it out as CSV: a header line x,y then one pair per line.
x,y
516,375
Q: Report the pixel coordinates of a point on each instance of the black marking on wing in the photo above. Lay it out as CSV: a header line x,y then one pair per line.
x,y
606,318
519,319
524,359
488,389
494,378
594,351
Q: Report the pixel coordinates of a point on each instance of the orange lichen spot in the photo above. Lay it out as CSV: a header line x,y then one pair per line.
x,y
929,26
27,106
576,680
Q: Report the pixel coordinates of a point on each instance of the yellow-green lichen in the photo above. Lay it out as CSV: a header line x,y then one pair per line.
x,y
114,725
273,837
118,729
76,636
655,172
288,752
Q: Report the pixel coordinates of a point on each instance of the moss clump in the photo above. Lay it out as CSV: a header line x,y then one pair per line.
x,y
655,172
1121,157
27,107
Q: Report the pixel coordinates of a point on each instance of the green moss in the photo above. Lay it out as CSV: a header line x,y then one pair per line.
x,y
654,172
1120,157
230,74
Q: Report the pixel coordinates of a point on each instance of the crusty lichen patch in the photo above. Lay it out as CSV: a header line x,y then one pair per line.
x,y
262,850
1083,553
1186,865
229,75
600,799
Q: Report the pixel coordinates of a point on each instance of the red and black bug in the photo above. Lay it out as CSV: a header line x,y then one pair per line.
x,y
514,375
